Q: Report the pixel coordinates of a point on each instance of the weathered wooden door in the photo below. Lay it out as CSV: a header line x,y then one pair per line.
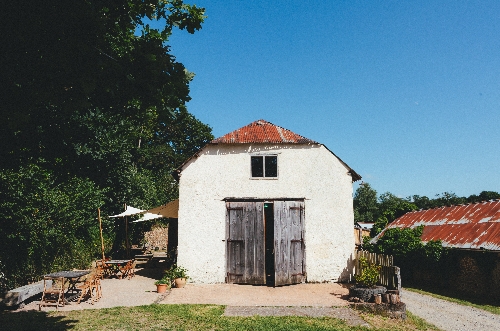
x,y
289,248
245,242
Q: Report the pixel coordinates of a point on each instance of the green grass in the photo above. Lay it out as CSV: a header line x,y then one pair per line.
x,y
185,317
488,307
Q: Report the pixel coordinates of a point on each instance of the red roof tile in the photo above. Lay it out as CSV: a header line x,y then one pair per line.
x,y
471,226
262,132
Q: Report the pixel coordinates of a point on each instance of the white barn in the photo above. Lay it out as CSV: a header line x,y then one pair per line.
x,y
263,205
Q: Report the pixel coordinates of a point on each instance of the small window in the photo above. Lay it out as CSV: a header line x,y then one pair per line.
x,y
264,166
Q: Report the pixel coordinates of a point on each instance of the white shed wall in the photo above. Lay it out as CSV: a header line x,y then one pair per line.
x,y
304,171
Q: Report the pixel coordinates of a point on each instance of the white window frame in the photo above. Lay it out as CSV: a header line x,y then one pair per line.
x,y
263,155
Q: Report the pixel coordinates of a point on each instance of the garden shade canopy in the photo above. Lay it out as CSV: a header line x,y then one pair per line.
x,y
169,210
129,211
147,217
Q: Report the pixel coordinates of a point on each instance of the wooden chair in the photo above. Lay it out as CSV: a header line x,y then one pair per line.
x,y
86,288
99,274
91,287
53,295
131,273
128,270
106,269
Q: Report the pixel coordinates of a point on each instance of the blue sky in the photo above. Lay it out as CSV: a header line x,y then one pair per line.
x,y
406,93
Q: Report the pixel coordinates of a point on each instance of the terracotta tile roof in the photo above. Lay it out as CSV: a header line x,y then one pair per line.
x,y
472,226
262,132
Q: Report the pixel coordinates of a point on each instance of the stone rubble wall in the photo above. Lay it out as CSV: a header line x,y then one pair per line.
x,y
157,237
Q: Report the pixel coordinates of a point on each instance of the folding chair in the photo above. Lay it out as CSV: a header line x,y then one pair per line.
x,y
131,272
86,288
99,274
126,270
106,269
53,294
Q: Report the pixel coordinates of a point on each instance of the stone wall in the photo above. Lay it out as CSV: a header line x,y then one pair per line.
x,y
157,237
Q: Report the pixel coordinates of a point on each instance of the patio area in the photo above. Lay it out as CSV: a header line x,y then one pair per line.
x,y
140,290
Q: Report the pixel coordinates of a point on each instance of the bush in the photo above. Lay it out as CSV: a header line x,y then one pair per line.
x,y
176,272
47,225
369,273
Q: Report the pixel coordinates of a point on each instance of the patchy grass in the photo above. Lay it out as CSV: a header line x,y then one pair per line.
x,y
412,323
187,317
491,308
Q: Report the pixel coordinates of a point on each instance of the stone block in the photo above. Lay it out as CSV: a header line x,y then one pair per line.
x,y
18,295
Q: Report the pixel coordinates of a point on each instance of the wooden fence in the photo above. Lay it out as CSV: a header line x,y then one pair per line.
x,y
390,276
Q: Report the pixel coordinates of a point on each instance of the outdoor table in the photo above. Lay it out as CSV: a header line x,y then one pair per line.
x,y
71,276
115,265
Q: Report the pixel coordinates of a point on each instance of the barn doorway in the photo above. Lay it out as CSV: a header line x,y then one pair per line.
x,y
265,242
269,242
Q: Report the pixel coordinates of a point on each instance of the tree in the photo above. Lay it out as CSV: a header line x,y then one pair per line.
x,y
365,203
45,225
483,196
409,252
390,207
92,100
448,199
93,91
422,202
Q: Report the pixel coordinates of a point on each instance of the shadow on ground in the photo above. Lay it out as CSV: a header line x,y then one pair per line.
x,y
153,273
479,300
34,320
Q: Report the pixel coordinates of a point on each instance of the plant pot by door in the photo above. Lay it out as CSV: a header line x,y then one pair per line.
x,y
180,282
161,288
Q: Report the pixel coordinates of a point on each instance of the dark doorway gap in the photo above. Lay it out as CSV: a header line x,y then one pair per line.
x,y
269,242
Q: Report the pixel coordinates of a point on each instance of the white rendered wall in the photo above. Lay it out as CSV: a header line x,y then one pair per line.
x,y
304,171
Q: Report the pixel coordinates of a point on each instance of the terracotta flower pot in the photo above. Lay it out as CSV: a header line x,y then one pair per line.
x,y
161,288
180,282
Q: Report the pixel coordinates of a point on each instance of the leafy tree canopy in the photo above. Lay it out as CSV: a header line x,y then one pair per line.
x,y
94,115
383,209
407,248
365,203
93,90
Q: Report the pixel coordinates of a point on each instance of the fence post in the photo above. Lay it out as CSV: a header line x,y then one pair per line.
x,y
397,273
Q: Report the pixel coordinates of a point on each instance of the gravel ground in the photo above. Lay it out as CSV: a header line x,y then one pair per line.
x,y
312,295
450,316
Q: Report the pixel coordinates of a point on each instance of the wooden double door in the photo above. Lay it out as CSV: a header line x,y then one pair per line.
x,y
265,242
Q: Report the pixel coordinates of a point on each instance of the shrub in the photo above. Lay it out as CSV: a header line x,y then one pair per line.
x,y
176,272
369,273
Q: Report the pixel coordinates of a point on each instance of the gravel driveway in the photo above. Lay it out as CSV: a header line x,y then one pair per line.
x,y
450,316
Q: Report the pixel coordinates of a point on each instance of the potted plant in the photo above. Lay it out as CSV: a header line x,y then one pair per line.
x,y
365,288
179,275
163,284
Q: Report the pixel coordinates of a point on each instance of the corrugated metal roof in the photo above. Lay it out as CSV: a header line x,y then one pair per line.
x,y
262,131
472,226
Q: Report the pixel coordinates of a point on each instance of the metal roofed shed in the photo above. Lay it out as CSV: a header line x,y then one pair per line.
x,y
472,226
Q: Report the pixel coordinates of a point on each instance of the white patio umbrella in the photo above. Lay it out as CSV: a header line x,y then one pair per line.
x,y
128,212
